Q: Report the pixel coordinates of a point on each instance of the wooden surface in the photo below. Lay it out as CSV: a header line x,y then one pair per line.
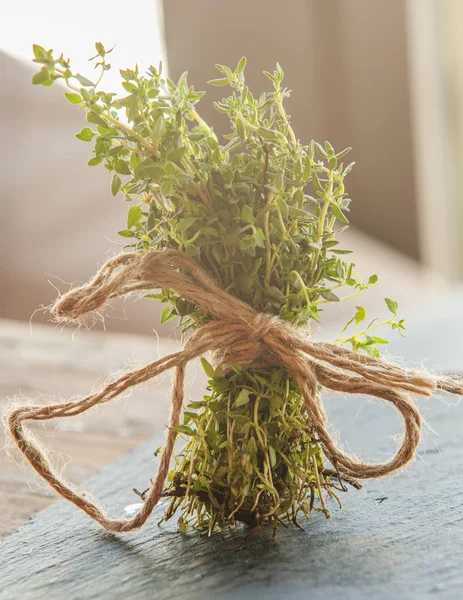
x,y
398,538
46,362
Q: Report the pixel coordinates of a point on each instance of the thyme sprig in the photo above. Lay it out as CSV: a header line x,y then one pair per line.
x,y
261,212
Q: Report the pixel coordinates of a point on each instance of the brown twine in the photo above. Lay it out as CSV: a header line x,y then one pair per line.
x,y
237,334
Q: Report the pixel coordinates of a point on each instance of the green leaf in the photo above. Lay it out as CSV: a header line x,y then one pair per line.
x,y
212,437
197,404
219,82
95,161
126,233
116,185
372,279
121,167
338,213
379,340
329,295
86,134
182,525
183,429
267,134
84,81
208,368
167,188
100,49
329,148
39,52
360,314
73,98
170,169
241,419
218,372
247,242
242,398
260,240
314,450
240,130
134,216
247,214
274,292
185,224
252,446
130,87
94,118
316,182
127,74
148,169
343,153
272,455
42,77
167,314
392,305
159,128
183,307
241,66
224,70
176,155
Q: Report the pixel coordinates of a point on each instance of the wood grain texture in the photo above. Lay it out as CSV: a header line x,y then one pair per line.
x,y
407,546
49,363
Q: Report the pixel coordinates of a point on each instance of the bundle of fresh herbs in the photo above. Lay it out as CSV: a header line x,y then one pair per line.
x,y
260,212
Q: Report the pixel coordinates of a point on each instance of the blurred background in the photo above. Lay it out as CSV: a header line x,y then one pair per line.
x,y
384,77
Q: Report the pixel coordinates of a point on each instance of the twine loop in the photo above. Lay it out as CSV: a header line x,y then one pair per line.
x,y
236,334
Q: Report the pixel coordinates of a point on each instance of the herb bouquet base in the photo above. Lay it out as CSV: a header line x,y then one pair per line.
x,y
252,454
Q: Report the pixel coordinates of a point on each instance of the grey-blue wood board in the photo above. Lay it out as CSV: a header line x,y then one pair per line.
x,y
408,545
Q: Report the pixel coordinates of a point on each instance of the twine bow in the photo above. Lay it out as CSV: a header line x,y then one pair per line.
x,y
236,334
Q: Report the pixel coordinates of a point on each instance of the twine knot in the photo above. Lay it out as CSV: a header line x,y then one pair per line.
x,y
246,341
261,324
236,334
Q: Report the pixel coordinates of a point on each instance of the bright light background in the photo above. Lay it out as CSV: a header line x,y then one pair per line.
x,y
73,28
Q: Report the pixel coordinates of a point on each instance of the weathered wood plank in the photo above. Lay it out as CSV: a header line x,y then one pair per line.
x,y
406,546
48,363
